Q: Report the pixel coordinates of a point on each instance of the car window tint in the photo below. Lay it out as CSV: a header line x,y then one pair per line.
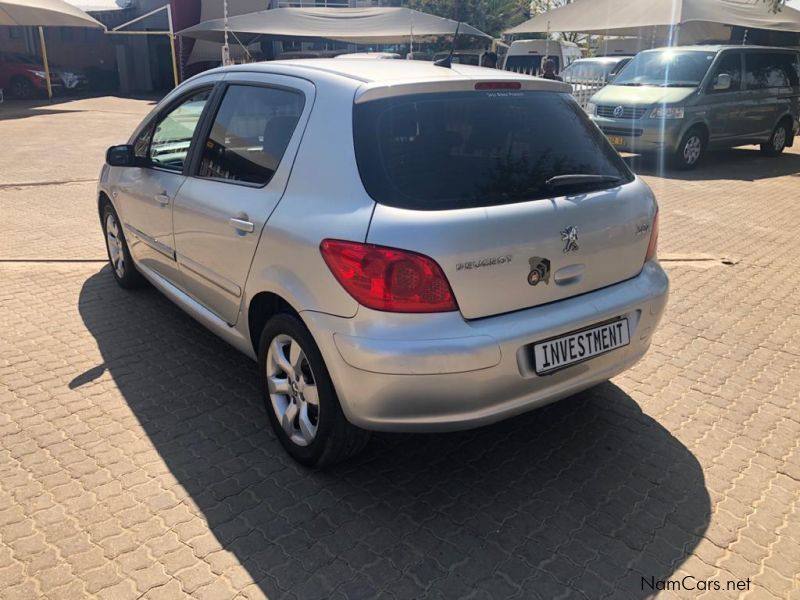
x,y
250,133
471,149
730,64
790,66
769,70
173,133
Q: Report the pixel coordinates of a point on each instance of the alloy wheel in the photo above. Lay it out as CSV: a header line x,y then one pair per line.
x,y
114,243
21,89
779,139
692,149
292,389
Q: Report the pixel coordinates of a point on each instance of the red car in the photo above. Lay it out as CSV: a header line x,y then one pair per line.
x,y
23,76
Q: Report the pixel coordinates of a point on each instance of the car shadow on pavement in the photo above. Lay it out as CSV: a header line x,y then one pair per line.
x,y
736,164
589,494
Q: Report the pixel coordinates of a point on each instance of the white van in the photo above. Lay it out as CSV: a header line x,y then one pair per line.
x,y
623,46
527,56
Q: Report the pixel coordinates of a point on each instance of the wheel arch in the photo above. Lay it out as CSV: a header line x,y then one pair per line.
x,y
702,126
263,306
102,200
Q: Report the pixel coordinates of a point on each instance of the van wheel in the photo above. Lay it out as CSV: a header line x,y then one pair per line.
x,y
119,257
300,398
690,150
777,141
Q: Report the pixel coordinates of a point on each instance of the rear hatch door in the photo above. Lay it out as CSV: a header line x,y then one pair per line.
x,y
483,182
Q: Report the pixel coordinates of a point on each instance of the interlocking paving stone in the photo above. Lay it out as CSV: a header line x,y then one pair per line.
x,y
136,458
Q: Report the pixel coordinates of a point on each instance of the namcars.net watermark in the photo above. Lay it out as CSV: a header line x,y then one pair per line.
x,y
691,583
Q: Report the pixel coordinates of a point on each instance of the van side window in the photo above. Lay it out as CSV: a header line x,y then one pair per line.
x,y
769,70
250,133
731,65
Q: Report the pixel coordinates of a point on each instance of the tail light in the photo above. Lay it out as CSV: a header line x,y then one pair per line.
x,y
652,247
388,279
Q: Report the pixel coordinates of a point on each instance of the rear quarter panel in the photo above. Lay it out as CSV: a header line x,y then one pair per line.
x,y
324,198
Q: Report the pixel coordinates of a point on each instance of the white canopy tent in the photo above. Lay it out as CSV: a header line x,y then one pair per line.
x,y
356,25
686,21
44,13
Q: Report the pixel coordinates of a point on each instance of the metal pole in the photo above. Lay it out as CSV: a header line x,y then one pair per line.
x,y
46,64
226,50
546,49
411,39
172,45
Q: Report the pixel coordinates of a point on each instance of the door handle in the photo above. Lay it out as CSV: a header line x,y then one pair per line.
x,y
242,225
163,198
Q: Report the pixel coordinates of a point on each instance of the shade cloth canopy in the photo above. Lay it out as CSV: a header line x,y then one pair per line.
x,y
704,19
44,13
374,25
102,5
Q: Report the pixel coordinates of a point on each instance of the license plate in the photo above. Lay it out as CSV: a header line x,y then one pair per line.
x,y
616,140
578,346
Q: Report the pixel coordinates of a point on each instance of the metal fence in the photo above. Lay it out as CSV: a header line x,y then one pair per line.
x,y
583,89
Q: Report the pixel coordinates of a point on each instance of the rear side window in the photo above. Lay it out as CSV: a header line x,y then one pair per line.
x,y
765,70
530,63
471,149
250,133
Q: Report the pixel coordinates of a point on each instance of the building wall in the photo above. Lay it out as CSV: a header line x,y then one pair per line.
x,y
113,62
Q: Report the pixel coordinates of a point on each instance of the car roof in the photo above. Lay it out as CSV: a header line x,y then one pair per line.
x,y
720,47
388,72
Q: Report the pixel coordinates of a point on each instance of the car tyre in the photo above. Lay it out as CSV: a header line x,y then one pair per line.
x,y
777,141
691,149
119,256
299,396
21,88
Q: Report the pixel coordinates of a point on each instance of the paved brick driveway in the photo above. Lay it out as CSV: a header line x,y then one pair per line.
x,y
136,460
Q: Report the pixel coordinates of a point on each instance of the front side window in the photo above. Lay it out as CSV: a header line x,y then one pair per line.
x,y
250,133
454,150
731,65
666,68
172,136
765,70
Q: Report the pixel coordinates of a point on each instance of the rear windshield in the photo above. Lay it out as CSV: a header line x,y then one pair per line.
x,y
470,149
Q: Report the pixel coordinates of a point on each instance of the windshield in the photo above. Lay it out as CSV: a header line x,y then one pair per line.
x,y
668,68
471,149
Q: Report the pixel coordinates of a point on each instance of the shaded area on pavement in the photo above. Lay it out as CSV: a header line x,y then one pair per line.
x,y
589,493
733,164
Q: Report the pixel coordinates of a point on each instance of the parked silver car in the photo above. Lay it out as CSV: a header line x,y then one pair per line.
x,y
402,246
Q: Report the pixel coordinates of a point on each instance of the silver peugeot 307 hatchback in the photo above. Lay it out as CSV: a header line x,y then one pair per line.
x,y
402,246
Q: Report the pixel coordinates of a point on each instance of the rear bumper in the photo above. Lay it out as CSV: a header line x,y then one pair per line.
x,y
439,372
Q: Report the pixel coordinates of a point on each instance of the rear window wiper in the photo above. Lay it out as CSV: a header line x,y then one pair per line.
x,y
580,179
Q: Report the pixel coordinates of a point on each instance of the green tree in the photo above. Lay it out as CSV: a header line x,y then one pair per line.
x,y
490,16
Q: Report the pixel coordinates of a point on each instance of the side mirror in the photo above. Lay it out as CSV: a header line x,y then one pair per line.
x,y
722,82
121,156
